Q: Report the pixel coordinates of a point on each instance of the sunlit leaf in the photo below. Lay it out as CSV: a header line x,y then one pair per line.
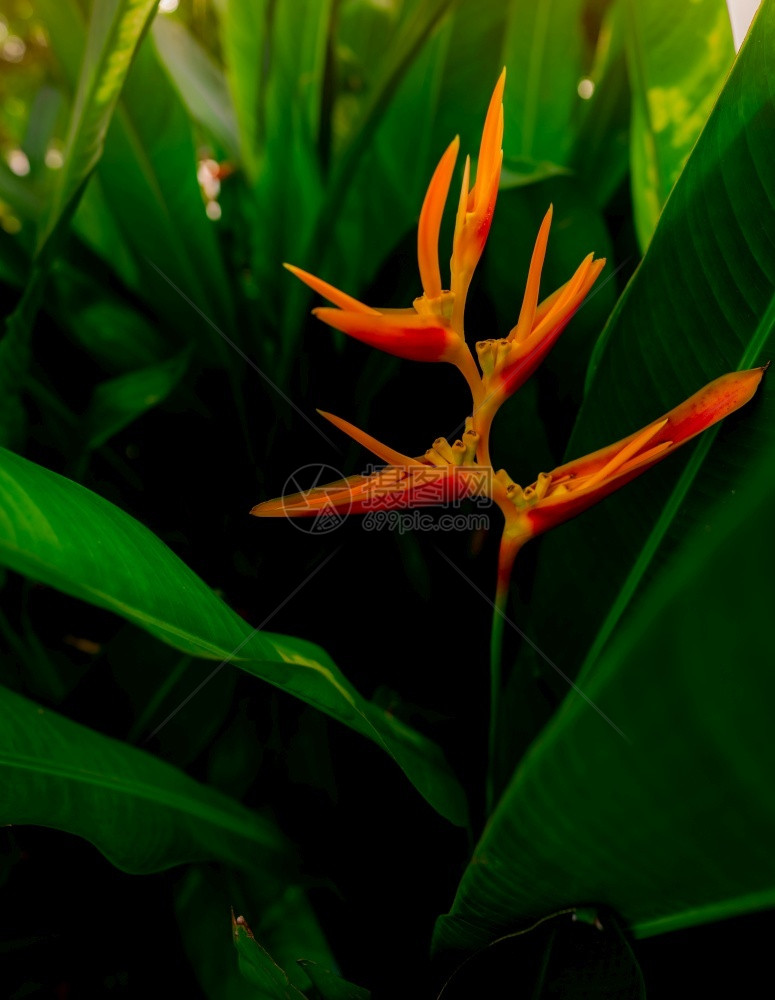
x,y
678,57
115,32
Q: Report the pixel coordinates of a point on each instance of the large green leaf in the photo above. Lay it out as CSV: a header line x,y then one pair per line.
x,y
544,46
148,197
61,534
143,814
637,822
243,32
601,153
678,56
672,824
701,303
115,31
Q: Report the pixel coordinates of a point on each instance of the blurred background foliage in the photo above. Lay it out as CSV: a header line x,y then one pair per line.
x,y
157,165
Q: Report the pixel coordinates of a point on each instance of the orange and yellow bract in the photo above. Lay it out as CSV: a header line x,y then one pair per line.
x,y
433,329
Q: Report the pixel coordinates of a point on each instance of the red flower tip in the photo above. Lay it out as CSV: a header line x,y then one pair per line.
x,y
404,334
572,488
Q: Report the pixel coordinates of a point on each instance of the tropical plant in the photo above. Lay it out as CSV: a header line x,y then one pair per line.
x,y
609,783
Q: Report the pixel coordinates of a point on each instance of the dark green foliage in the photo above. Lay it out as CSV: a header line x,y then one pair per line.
x,y
158,376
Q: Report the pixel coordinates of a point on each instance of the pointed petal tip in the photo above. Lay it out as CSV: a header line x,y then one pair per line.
x,y
429,225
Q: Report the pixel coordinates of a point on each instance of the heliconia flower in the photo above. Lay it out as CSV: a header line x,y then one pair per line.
x,y
432,329
506,364
477,203
445,474
568,490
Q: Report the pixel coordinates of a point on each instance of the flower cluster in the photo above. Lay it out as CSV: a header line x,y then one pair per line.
x,y
433,330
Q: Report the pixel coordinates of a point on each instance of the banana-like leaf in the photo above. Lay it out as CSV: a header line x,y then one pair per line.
x,y
637,822
59,533
670,824
678,56
115,32
147,175
701,303
243,28
544,46
140,812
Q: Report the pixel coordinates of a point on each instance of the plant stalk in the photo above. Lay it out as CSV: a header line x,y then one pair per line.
x,y
508,553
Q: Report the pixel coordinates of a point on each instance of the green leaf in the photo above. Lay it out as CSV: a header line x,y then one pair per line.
x,y
576,954
290,931
243,32
601,151
638,822
701,303
384,197
258,967
678,57
115,31
543,48
544,51
116,403
20,194
117,337
149,176
287,928
519,171
61,534
202,908
142,814
332,987
671,825
149,198
198,80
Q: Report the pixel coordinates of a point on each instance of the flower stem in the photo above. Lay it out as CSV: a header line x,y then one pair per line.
x,y
508,553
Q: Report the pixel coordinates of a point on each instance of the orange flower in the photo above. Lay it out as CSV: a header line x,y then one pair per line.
x,y
446,473
424,332
477,204
432,330
508,363
570,489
